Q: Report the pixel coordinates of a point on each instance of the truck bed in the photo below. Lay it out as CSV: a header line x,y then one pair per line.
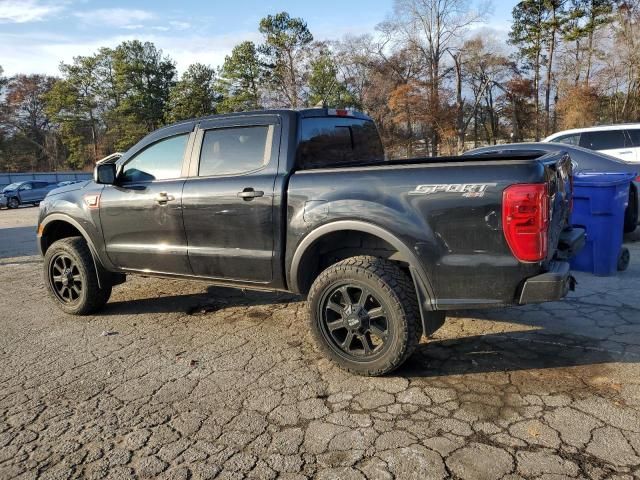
x,y
447,209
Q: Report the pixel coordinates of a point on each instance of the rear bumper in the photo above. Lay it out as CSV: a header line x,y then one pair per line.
x,y
571,242
555,283
548,286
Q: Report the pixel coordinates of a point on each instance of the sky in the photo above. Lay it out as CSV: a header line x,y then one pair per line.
x,y
36,35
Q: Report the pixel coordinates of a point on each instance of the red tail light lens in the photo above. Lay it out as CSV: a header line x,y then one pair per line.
x,y
525,220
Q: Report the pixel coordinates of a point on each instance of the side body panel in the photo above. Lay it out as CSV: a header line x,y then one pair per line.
x,y
457,239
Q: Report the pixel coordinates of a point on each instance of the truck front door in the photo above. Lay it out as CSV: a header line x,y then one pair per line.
x,y
228,199
141,214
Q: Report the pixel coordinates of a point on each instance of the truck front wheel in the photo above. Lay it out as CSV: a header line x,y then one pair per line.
x,y
71,279
363,314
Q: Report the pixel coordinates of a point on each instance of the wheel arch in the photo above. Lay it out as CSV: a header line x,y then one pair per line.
x,y
58,226
306,261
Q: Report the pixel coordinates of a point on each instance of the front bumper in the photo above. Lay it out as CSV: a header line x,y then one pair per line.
x,y
549,286
3,201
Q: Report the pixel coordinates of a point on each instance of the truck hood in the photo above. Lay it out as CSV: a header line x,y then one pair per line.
x,y
68,188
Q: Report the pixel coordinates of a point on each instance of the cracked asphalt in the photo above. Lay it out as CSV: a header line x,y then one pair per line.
x,y
183,380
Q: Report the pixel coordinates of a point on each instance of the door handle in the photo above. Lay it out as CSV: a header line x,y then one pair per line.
x,y
625,152
249,193
163,197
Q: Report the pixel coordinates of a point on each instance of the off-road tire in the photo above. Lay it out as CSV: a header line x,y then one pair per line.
x,y
388,282
92,298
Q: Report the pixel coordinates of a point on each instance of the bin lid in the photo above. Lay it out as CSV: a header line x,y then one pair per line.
x,y
602,179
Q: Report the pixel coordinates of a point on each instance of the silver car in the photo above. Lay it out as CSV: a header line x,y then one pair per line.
x,y
583,160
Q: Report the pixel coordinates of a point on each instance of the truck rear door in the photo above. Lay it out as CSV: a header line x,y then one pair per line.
x,y
228,199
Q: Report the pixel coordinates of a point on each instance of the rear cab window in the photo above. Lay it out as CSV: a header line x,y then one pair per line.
x,y
333,141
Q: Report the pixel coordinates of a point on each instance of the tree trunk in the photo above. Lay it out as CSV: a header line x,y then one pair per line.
x,y
292,78
460,126
547,93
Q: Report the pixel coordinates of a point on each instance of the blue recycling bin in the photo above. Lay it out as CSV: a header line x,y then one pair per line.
x,y
599,203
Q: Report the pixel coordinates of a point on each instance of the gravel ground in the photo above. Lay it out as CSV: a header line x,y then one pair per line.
x,y
183,380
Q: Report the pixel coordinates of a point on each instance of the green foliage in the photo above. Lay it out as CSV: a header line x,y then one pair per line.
x,y
108,101
239,79
194,95
143,79
527,30
284,51
324,87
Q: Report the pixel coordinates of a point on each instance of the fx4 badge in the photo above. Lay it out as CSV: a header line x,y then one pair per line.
x,y
470,190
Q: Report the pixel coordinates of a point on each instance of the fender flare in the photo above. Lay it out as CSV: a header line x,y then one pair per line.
x,y
424,291
101,272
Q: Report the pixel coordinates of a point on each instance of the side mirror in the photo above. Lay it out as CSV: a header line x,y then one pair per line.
x,y
105,173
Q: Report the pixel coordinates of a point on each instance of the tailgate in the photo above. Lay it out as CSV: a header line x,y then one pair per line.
x,y
558,173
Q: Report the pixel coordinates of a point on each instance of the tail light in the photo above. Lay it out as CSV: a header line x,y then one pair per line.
x,y
525,220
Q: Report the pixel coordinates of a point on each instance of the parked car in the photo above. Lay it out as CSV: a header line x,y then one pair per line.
x,y
68,182
304,201
21,193
583,160
620,141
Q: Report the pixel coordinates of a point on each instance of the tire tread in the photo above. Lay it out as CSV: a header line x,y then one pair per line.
x,y
96,297
400,291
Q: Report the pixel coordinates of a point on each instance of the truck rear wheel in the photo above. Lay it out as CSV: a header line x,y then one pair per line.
x,y
363,314
71,279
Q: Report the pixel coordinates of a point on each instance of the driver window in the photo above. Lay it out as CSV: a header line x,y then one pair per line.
x,y
26,186
159,161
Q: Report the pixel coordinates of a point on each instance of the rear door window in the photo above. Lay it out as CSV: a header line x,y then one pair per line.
x,y
634,134
330,141
234,151
604,140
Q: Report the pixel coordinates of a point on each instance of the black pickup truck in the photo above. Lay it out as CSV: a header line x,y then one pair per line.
x,y
305,201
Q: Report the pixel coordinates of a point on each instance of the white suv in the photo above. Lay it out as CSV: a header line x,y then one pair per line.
x,y
620,141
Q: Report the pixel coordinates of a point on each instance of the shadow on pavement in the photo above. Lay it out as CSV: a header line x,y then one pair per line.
x,y
18,242
216,298
508,352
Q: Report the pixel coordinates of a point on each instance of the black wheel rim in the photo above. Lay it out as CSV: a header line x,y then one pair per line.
x,y
66,280
355,322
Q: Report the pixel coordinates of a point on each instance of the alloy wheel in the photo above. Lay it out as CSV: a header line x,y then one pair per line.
x,y
354,321
65,278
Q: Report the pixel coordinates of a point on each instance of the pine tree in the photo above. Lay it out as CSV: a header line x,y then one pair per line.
x,y
240,76
194,95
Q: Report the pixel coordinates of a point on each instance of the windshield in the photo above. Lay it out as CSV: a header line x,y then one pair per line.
x,y
12,186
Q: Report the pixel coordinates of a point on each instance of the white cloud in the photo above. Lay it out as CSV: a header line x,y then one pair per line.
x,y
116,17
23,11
43,53
179,25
